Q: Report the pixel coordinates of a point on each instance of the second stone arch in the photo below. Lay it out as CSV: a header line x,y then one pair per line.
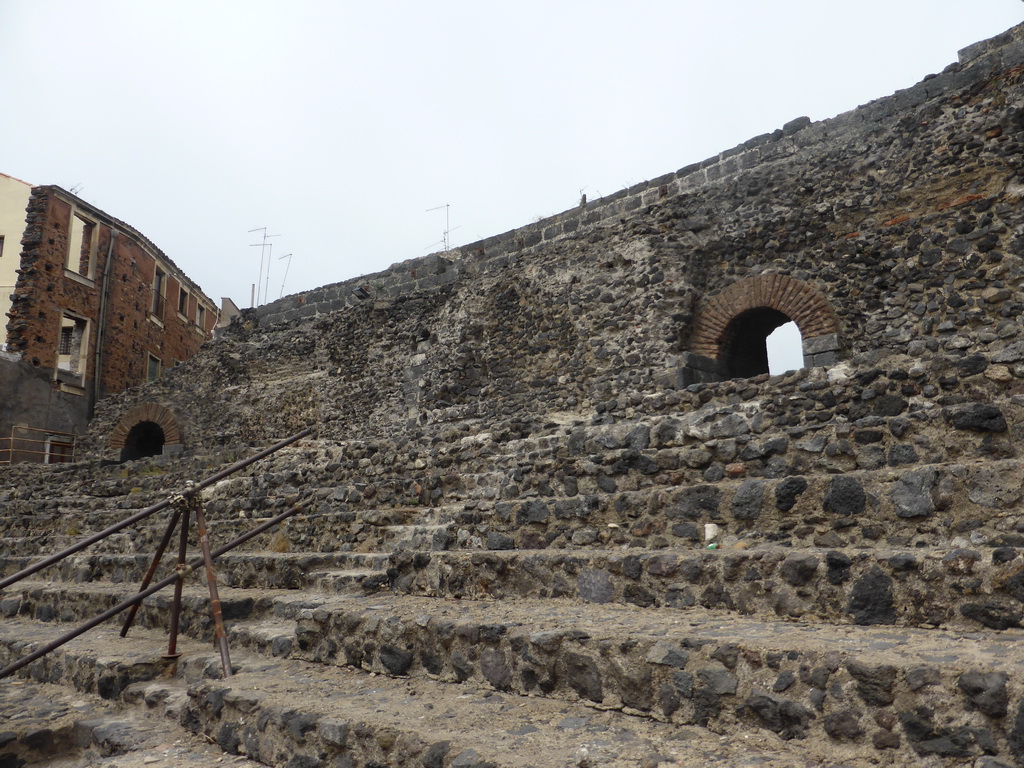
x,y
731,327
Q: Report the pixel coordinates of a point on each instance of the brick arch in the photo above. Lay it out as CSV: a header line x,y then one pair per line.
x,y
728,327
154,412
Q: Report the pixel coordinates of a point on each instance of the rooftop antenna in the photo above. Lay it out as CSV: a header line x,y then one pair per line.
x,y
264,254
447,228
74,189
289,257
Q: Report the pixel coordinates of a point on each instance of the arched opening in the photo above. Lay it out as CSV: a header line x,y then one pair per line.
x,y
743,346
144,439
731,330
785,349
162,436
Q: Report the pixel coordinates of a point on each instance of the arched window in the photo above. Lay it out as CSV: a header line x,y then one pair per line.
x,y
743,349
731,330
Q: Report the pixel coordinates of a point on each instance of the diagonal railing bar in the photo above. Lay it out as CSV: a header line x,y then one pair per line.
x,y
152,567
89,541
140,596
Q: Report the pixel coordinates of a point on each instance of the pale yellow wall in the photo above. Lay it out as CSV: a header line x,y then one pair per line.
x,y
13,201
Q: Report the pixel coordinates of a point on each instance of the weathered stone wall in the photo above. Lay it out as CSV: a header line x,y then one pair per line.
x,y
904,215
30,399
852,178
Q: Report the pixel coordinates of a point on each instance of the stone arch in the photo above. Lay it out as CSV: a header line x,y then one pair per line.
x,y
144,423
732,324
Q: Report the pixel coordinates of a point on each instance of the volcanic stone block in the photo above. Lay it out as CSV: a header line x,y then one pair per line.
x,y
799,569
977,417
787,492
912,493
746,504
843,725
871,599
583,676
845,496
874,684
985,691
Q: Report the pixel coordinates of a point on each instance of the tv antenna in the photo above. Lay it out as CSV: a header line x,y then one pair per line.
x,y
266,250
75,189
447,227
286,266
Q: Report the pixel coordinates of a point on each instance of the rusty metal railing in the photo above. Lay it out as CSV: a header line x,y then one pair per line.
x,y
55,448
185,504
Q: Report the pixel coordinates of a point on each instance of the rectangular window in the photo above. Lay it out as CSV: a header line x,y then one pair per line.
x,y
201,317
159,291
59,452
79,257
183,302
72,349
152,368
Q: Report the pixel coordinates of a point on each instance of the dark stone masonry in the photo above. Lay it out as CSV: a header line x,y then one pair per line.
x,y
556,510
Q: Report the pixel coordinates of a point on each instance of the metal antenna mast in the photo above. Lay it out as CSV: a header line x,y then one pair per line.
x,y
263,255
447,226
286,266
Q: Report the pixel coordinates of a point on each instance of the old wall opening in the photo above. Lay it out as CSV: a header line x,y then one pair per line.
x,y
732,327
148,429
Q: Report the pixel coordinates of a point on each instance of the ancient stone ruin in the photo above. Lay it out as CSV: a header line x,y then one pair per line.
x,y
557,512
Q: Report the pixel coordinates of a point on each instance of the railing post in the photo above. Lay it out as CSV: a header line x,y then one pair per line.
x,y
220,635
152,568
172,644
184,503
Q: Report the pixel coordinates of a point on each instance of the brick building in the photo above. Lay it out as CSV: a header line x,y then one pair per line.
x,y
93,307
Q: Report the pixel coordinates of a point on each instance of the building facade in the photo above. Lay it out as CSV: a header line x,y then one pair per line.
x,y
93,308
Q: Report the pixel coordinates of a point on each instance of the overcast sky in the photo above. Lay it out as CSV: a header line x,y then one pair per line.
x,y
337,125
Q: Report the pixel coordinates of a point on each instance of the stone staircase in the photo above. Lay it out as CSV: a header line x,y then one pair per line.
x,y
559,604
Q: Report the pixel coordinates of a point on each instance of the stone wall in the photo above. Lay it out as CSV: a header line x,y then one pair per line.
x,y
895,229
30,399
799,142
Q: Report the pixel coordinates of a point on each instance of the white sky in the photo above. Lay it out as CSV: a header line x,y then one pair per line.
x,y
337,124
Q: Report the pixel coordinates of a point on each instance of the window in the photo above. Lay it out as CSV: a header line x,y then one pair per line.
x,y
58,451
67,335
201,317
72,346
79,258
159,291
152,368
183,302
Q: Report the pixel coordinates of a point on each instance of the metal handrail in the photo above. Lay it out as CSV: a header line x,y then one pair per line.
x,y
140,596
188,493
185,502
10,450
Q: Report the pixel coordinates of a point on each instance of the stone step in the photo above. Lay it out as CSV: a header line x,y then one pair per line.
x,y
287,712
956,588
936,505
904,692
53,725
277,570
350,580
